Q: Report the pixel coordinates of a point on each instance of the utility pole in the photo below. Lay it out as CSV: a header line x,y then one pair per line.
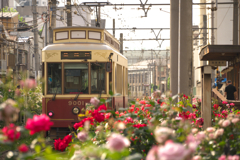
x,y
235,22
121,43
35,30
69,13
45,37
52,23
160,75
166,71
185,48
174,15
113,27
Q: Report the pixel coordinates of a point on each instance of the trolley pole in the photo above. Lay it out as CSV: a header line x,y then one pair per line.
x,y
69,13
35,29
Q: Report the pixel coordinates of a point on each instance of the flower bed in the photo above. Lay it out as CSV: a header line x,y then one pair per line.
x,y
152,129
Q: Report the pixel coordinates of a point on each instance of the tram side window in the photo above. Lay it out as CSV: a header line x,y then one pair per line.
x,y
98,78
54,76
76,78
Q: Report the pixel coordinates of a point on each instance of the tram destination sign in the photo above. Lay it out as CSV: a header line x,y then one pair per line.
x,y
76,55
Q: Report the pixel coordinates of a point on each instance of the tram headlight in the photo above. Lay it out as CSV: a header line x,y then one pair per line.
x,y
50,113
75,110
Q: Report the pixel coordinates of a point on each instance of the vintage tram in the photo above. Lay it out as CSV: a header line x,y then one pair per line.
x,y
82,63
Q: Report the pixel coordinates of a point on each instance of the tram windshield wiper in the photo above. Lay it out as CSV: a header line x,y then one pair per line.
x,y
54,96
77,95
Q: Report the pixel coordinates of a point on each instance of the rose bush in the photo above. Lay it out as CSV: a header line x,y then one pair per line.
x,y
150,128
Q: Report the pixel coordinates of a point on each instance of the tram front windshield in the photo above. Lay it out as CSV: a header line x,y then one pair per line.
x,y
76,78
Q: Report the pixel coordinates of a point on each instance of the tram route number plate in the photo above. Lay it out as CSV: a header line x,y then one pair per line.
x,y
79,103
76,55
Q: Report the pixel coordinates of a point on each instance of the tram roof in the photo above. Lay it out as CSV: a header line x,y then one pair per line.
x,y
79,46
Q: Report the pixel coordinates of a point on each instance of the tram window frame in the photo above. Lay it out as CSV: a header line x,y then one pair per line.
x,y
104,77
63,70
61,38
60,76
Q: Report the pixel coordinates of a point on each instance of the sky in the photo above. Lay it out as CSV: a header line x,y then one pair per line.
x,y
130,16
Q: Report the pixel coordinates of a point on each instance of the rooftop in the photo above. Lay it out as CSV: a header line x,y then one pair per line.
x,y
8,14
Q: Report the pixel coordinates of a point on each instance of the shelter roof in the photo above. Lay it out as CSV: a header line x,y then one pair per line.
x,y
219,52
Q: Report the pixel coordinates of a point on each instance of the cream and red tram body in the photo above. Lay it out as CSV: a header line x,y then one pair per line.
x,y
82,62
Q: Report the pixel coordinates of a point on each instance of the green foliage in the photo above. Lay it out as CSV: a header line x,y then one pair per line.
x,y
6,9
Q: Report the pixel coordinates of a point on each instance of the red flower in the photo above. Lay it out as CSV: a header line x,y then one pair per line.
x,y
194,106
10,132
215,106
121,114
231,136
199,121
129,120
186,97
81,123
107,115
61,145
23,148
38,123
142,102
102,107
139,125
99,117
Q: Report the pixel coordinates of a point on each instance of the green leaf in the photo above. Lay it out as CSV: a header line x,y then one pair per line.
x,y
111,93
108,100
102,100
102,111
152,103
133,102
37,148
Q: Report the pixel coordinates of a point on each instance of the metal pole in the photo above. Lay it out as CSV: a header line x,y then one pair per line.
x,y
185,48
29,57
121,43
45,37
35,25
2,57
212,34
17,60
166,71
174,19
52,20
113,27
69,13
235,22
160,74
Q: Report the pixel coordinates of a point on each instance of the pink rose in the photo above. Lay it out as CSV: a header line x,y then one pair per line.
x,y
162,134
194,130
117,142
235,157
30,83
200,136
226,123
224,102
223,157
210,129
219,132
211,136
232,104
235,120
197,158
38,123
95,101
172,151
152,154
82,136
